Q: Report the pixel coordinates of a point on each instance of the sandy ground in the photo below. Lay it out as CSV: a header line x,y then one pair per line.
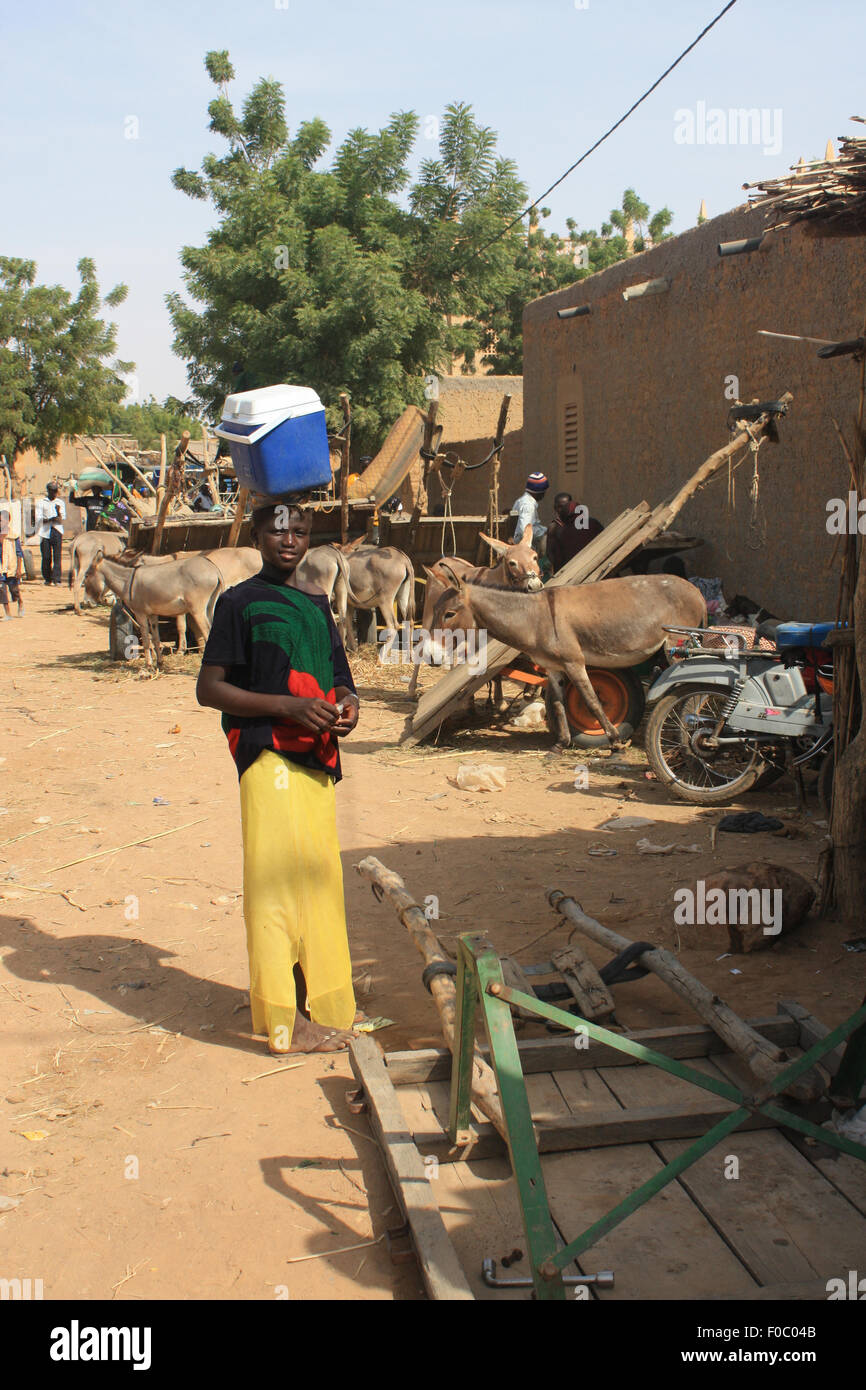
x,y
150,1147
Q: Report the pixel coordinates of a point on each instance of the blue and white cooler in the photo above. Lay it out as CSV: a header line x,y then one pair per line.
x,y
277,439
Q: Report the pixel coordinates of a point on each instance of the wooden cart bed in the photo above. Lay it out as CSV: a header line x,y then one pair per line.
x,y
793,1217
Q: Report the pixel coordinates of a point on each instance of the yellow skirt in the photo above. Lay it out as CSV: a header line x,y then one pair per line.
x,y
293,898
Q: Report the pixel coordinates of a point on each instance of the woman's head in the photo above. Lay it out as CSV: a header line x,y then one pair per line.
x,y
281,531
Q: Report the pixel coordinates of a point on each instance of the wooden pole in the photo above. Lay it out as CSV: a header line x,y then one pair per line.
x,y
160,487
493,508
420,506
173,489
442,987
760,1056
238,519
848,819
130,463
211,472
712,465
346,407
109,469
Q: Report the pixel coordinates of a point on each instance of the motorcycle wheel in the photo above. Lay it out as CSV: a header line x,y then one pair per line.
x,y
711,777
621,695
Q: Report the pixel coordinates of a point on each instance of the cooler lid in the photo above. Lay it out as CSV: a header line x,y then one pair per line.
x,y
252,407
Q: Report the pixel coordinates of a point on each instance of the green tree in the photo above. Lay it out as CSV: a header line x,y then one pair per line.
x,y
54,378
342,277
148,420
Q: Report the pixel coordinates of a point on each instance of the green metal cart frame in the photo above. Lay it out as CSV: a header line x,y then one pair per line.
x,y
480,983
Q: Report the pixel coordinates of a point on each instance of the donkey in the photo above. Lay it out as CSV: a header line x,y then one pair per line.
x,y
188,586
379,577
81,552
327,566
517,569
614,623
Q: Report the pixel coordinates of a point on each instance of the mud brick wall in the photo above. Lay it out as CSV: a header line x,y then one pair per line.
x,y
468,413
622,405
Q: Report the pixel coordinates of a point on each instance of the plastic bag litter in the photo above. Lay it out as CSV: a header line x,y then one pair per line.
x,y
533,716
625,823
646,846
480,777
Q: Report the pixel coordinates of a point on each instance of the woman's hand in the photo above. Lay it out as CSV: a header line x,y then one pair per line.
x,y
313,712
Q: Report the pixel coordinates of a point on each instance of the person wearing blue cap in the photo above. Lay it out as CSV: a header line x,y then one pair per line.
x,y
525,509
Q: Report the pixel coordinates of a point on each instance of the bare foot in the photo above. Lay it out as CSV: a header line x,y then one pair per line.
x,y
312,1037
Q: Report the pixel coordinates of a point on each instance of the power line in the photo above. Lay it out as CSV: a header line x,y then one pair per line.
x,y
602,138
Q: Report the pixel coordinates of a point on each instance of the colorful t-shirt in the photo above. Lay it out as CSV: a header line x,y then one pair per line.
x,y
275,640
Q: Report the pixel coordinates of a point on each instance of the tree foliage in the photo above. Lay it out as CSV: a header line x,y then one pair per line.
x,y
333,268
147,420
54,377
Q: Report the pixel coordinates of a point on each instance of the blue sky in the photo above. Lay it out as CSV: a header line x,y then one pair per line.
x,y
549,75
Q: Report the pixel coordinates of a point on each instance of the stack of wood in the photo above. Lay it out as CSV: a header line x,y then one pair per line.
x,y
832,191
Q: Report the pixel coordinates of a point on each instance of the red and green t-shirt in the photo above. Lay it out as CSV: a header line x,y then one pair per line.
x,y
275,640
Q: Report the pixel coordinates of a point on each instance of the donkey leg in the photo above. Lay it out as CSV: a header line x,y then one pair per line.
x,y
562,731
578,677
200,625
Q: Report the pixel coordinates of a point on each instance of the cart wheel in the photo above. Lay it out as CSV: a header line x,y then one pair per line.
x,y
621,695
122,634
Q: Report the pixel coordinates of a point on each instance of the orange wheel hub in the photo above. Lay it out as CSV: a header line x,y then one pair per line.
x,y
612,693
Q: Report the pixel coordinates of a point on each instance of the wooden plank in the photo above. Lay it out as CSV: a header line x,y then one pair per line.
x,y
481,1215
437,1261
781,1216
666,1249
584,981
647,1085
842,1171
812,1031
785,1221
554,1054
599,1129
812,1291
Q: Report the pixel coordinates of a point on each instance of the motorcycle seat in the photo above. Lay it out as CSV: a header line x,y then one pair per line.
x,y
802,634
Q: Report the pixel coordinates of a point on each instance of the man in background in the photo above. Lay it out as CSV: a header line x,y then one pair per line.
x,y
525,510
50,516
571,530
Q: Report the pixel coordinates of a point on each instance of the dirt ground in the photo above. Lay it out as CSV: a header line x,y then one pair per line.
x,y
133,1100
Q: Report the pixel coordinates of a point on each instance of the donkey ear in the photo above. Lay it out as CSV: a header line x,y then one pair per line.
x,y
430,575
452,578
526,538
498,547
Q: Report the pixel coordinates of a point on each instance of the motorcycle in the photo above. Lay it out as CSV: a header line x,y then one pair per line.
x,y
727,718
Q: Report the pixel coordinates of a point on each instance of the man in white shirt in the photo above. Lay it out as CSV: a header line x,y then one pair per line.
x,y
525,509
50,515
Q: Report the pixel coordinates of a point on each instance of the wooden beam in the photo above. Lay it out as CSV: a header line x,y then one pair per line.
x,y
641,1124
437,1259
238,518
560,1054
484,1091
763,1060
345,446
